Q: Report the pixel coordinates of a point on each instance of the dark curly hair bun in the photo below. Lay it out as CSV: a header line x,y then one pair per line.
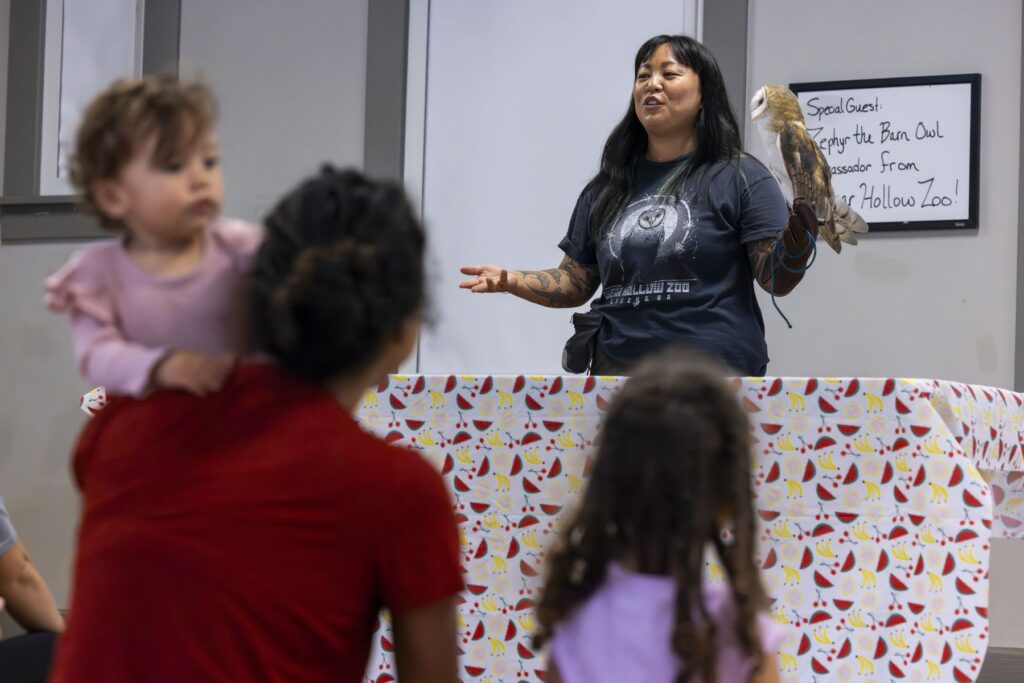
x,y
340,270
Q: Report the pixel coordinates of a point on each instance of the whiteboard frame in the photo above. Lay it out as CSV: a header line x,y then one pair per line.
x,y
974,80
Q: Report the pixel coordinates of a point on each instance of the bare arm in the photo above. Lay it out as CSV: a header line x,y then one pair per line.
x,y
27,596
425,644
569,285
791,257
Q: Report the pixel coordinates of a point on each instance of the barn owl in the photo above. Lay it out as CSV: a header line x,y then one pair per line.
x,y
798,165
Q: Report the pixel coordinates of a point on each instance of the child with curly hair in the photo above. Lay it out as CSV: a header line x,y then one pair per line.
x,y
159,308
627,597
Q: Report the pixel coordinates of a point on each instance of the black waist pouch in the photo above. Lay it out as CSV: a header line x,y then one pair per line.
x,y
579,350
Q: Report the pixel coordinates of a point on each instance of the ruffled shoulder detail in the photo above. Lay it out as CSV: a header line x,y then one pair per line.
x,y
82,284
240,239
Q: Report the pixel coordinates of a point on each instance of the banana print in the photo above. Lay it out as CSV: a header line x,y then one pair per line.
x,y
863,445
821,636
792,576
781,530
532,456
874,401
529,539
865,667
967,555
964,645
565,440
827,463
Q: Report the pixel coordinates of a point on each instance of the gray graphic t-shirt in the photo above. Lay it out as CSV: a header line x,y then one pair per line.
x,y
674,269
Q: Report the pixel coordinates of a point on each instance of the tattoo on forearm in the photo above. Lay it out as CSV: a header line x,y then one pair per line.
x,y
567,286
758,252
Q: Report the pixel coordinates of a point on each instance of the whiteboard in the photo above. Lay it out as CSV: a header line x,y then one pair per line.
x,y
903,151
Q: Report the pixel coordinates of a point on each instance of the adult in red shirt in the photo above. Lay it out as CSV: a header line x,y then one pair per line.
x,y
254,535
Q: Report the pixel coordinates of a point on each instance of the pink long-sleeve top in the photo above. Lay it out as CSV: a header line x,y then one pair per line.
x,y
124,320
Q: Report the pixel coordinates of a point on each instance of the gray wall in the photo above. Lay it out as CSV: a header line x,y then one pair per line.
x,y
923,305
39,413
920,306
290,80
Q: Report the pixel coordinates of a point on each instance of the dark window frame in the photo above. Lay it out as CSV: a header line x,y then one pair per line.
x,y
25,215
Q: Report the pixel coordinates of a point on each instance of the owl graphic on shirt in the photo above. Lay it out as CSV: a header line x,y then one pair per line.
x,y
652,240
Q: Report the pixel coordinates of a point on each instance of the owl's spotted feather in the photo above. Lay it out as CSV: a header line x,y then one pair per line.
x,y
798,165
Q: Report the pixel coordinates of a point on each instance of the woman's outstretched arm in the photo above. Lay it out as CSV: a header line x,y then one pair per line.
x,y
569,285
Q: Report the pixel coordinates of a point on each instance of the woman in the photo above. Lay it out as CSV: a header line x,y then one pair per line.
x,y
674,227
254,534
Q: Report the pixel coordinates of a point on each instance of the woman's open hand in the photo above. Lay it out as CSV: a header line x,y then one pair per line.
x,y
489,278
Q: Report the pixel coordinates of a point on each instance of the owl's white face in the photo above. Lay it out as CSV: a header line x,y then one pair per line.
x,y
759,105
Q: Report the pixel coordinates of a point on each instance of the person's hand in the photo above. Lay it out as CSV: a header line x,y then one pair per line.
x,y
193,372
802,222
489,278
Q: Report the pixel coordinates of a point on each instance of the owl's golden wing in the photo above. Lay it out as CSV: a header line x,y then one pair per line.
x,y
810,175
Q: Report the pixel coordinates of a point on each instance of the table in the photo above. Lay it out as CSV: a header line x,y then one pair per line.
x,y
877,501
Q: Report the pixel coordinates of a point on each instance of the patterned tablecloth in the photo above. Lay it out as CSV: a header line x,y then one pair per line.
x,y
877,500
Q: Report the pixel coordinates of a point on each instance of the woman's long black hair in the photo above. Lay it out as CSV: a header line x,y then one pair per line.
x,y
717,133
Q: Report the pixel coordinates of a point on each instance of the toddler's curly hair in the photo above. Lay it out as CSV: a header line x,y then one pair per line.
x,y
122,117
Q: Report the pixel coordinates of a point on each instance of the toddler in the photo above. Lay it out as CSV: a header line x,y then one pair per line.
x,y
159,307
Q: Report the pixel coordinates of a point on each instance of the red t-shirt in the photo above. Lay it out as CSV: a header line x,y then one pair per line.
x,y
248,536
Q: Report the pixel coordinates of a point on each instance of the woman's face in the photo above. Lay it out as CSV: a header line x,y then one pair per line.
x,y
666,95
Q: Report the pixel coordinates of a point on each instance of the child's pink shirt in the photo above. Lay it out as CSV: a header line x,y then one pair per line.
x,y
125,320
